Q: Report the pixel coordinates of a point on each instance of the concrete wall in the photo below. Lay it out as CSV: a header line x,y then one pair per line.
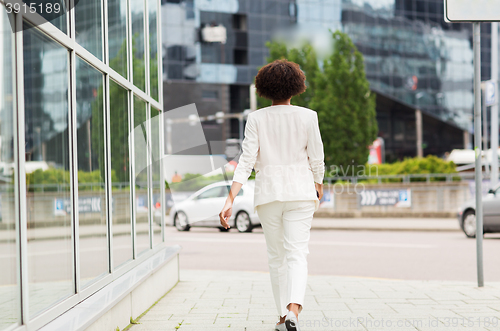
x,y
41,210
140,299
439,199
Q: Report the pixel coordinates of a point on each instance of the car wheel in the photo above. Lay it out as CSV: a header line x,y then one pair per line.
x,y
181,221
243,223
469,224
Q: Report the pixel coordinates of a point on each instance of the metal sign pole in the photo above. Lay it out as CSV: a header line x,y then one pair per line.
x,y
494,108
477,148
485,132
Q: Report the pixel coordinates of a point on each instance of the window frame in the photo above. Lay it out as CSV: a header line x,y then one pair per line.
x,y
68,41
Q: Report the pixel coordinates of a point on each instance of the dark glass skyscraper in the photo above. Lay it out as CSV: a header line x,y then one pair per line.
x,y
414,60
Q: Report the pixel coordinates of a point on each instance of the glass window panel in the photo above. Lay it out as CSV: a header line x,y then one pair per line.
x,y
120,175
91,173
88,26
54,11
48,200
153,47
156,175
141,176
117,35
138,43
9,287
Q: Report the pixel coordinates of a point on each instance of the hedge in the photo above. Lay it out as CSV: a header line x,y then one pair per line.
x,y
49,179
409,166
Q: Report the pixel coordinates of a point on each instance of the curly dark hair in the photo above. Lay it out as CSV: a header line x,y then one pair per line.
x,y
280,80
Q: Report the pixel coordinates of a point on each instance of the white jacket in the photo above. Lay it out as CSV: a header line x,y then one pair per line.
x,y
283,144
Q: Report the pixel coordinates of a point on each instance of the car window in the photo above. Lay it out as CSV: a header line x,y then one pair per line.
x,y
240,193
214,192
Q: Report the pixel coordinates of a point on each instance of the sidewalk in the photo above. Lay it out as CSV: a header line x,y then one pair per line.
x,y
387,224
239,300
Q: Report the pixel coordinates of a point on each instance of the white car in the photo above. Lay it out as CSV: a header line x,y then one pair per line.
x,y
203,207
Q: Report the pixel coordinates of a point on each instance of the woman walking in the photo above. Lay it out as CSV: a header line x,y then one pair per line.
x,y
283,143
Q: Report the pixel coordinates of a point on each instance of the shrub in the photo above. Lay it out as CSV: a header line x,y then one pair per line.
x,y
415,166
50,179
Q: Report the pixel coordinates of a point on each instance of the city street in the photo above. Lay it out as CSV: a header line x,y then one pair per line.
x,y
358,280
408,255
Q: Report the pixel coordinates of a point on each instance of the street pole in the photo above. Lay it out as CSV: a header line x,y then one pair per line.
x,y
418,116
253,98
494,108
169,136
477,148
240,128
485,132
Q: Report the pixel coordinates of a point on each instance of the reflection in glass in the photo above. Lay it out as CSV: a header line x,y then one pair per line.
x,y
48,207
91,173
88,26
54,11
179,39
120,174
117,35
9,287
141,176
153,48
138,43
416,62
156,175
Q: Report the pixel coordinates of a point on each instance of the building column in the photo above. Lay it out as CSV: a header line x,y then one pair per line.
x,y
418,120
224,101
467,140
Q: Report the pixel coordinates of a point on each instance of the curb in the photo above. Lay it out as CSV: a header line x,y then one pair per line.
x,y
384,229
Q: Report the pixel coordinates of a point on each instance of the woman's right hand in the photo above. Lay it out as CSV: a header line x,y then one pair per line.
x,y
225,214
319,189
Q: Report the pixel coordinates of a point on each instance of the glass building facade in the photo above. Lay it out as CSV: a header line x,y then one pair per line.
x,y
413,60
75,212
411,56
216,76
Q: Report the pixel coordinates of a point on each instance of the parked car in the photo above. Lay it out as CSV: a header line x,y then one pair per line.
x,y
491,214
203,207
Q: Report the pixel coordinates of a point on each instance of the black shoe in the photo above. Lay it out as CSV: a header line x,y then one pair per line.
x,y
291,322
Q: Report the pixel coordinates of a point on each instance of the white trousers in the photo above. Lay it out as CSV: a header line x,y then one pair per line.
x,y
287,228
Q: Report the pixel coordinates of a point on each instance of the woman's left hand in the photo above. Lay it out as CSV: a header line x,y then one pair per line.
x,y
225,214
319,190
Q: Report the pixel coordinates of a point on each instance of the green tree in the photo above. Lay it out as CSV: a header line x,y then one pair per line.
x,y
340,93
345,106
153,67
119,112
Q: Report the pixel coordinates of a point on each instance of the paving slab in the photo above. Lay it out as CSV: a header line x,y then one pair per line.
x,y
242,300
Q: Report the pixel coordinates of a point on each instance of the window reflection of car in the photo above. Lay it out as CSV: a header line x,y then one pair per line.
x,y
491,214
203,207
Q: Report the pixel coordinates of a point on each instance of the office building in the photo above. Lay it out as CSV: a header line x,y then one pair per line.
x,y
419,66
81,225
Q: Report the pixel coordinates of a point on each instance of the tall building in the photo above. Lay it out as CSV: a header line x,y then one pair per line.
x,y
419,66
81,223
415,61
215,75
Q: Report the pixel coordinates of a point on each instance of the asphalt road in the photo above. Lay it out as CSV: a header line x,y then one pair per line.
x,y
380,254
419,255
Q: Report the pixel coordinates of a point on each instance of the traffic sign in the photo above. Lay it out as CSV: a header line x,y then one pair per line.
x,y
490,92
396,198
472,10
